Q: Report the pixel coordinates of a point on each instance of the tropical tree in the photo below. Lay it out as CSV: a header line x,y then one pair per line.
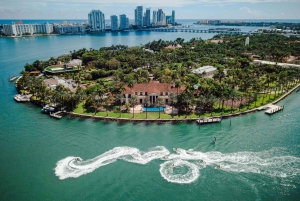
x,y
173,100
159,102
133,102
146,104
119,100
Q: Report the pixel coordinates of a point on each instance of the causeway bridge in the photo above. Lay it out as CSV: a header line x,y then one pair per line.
x,y
194,30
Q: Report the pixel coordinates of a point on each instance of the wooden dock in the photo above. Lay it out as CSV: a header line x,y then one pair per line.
x,y
56,114
273,109
209,120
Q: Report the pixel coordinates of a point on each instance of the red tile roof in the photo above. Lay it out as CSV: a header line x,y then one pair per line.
x,y
152,87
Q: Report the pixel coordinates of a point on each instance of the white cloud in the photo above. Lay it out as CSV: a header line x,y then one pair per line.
x,y
251,12
169,3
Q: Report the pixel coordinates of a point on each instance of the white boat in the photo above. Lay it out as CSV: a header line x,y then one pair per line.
x,y
47,108
22,98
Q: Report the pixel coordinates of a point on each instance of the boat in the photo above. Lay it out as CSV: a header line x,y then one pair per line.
x,y
13,78
22,98
47,108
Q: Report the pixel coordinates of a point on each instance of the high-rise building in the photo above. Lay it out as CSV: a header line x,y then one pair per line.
x,y
124,22
96,20
154,17
147,17
159,15
114,23
138,16
173,17
169,19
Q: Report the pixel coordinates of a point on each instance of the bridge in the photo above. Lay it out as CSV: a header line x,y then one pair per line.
x,y
191,30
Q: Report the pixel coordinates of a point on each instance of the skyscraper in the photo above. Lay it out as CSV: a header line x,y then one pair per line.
x,y
159,15
154,17
96,20
124,22
114,23
147,17
138,16
169,19
173,17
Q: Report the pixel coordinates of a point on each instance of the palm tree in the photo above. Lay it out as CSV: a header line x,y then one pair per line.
x,y
173,100
177,84
119,99
159,102
146,103
133,103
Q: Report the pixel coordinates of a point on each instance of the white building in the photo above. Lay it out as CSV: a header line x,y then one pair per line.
x,y
96,20
247,41
205,70
27,29
69,29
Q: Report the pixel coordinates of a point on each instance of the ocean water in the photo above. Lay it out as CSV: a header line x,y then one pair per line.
x,y
259,154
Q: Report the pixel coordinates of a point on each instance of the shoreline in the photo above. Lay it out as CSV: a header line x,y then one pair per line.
x,y
183,120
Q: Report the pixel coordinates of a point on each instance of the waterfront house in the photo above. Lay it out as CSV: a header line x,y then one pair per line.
x,y
72,66
151,90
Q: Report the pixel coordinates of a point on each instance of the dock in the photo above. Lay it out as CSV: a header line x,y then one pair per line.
x,y
56,114
209,120
13,78
273,109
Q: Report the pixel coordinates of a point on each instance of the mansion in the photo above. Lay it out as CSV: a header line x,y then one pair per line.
x,y
151,90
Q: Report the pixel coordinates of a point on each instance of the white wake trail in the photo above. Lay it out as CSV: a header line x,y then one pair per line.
x,y
183,166
70,167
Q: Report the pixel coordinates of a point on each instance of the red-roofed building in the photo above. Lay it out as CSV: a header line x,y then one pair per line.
x,y
152,91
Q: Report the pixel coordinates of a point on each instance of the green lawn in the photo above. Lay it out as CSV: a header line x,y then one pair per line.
x,y
155,115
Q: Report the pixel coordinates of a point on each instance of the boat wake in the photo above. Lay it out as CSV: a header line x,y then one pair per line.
x,y
183,166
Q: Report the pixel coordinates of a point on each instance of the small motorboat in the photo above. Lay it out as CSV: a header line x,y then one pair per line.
x,y
78,159
218,167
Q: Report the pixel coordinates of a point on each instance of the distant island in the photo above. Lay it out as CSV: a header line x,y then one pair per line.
x,y
167,80
284,26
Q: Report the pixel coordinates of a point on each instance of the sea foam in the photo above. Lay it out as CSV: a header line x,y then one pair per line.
x,y
183,166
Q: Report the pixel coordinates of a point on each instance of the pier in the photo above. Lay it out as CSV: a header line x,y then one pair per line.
x,y
57,114
273,109
209,120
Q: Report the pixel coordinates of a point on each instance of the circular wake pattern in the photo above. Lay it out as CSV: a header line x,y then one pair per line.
x,y
183,166
182,172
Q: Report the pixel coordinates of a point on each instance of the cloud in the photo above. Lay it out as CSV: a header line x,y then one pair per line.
x,y
251,12
157,3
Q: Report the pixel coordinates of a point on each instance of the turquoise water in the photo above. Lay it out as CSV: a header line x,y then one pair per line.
x,y
259,154
153,109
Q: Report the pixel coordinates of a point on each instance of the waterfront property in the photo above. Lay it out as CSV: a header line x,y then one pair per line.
x,y
152,90
27,29
67,83
72,66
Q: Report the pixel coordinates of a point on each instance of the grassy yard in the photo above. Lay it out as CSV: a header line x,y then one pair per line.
x,y
155,115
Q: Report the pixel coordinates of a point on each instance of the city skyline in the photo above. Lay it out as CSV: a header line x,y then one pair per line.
x,y
197,9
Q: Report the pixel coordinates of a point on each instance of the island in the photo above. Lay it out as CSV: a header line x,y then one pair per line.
x,y
174,81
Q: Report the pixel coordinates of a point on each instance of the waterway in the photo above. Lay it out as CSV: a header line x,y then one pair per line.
x,y
259,154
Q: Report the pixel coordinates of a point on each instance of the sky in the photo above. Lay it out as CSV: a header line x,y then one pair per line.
x,y
185,9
